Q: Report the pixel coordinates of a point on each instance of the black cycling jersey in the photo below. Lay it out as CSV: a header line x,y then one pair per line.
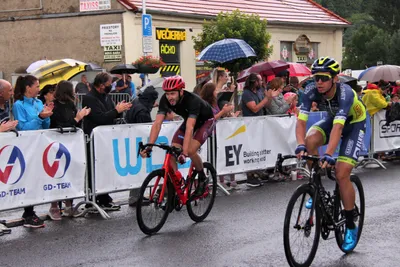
x,y
190,106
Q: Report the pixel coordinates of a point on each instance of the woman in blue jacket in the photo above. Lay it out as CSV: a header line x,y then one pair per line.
x,y
32,115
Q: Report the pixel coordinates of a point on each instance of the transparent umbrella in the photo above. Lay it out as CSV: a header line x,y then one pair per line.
x,y
385,72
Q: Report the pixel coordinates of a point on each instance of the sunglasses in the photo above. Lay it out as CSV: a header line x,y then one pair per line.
x,y
322,77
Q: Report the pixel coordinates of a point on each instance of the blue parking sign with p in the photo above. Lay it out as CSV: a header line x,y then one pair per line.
x,y
146,25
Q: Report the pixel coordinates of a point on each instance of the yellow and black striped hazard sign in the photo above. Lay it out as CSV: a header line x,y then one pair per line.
x,y
170,70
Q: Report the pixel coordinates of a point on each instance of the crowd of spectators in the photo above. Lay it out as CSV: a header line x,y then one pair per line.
x,y
54,106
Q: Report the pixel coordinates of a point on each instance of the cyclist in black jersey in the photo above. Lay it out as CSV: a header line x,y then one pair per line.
x,y
345,122
198,125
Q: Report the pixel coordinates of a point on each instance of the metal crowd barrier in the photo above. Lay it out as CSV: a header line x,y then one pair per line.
x,y
53,180
371,151
116,98
33,178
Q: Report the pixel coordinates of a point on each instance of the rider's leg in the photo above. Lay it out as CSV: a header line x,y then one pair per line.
x,y
172,160
318,135
353,135
343,170
194,156
347,193
177,141
199,138
314,139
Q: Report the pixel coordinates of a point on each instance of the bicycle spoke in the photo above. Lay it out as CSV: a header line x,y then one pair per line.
x,y
151,212
199,207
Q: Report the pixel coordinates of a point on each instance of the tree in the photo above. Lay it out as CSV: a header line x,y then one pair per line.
x,y
368,45
343,8
249,28
386,13
394,49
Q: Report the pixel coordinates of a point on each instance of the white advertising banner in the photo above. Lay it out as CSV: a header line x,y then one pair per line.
x,y
253,143
386,137
110,34
94,5
41,166
117,166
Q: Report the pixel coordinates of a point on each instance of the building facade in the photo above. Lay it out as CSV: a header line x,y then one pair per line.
x,y
300,31
54,29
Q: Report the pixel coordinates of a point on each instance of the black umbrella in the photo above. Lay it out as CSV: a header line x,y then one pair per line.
x,y
348,80
124,69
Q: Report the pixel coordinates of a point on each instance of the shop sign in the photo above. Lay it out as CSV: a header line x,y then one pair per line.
x,y
301,59
169,52
167,34
113,53
110,34
94,5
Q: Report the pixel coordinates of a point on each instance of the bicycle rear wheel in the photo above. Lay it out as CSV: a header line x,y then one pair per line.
x,y
150,213
359,211
199,208
301,231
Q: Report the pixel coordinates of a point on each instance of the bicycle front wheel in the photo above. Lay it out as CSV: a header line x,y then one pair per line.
x,y
199,208
151,213
359,211
301,229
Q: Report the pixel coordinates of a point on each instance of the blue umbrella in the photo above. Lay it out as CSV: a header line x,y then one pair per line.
x,y
365,71
227,50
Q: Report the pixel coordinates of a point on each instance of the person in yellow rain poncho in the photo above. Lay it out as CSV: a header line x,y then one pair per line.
x,y
374,100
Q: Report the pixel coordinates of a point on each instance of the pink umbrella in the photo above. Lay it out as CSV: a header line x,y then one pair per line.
x,y
264,68
298,69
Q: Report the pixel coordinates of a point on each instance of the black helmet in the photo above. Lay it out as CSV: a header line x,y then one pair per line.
x,y
325,64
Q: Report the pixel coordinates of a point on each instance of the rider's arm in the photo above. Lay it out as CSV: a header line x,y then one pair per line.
x,y
301,125
155,129
190,123
162,111
301,131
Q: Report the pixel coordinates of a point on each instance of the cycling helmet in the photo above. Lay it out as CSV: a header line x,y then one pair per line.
x,y
325,64
173,83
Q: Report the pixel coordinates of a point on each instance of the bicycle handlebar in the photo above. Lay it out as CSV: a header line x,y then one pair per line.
x,y
176,151
314,159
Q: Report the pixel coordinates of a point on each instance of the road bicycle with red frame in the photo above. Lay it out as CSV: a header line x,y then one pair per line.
x,y
165,190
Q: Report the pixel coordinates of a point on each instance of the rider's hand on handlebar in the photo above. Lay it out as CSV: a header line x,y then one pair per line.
x,y
182,158
145,153
300,151
327,161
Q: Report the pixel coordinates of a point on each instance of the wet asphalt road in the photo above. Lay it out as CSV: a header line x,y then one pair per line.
x,y
244,229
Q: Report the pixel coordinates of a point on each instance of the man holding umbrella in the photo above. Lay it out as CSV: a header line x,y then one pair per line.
x,y
123,86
